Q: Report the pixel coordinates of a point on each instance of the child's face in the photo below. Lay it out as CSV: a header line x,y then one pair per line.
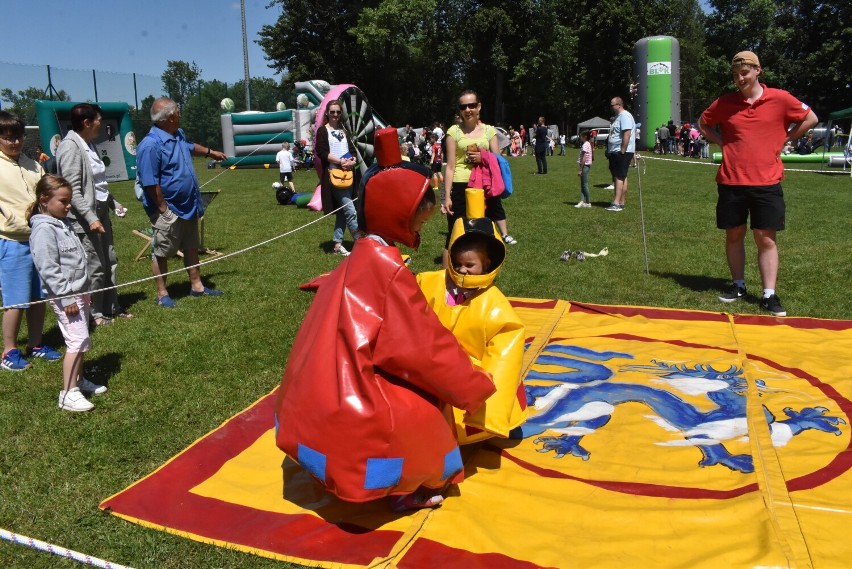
x,y
420,217
59,204
471,262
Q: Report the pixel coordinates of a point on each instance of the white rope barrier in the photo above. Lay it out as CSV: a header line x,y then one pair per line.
x,y
202,263
180,270
58,550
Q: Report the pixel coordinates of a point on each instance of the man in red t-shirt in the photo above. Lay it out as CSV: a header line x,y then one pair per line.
x,y
754,124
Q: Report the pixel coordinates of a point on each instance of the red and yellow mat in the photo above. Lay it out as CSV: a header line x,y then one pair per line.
x,y
657,438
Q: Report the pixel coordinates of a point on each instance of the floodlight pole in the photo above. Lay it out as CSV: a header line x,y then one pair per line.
x,y
245,55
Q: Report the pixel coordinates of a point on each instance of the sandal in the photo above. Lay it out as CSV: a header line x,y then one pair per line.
x,y
102,321
121,314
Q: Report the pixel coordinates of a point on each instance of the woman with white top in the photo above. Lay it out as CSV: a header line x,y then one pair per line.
x,y
334,149
79,162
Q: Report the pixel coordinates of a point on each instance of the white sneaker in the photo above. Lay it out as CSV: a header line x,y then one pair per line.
x,y
509,240
587,204
610,187
339,249
87,386
73,400
580,204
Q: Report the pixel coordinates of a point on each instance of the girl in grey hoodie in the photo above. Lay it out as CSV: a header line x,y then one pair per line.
x,y
61,264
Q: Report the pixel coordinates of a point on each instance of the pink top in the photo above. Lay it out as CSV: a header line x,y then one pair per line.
x,y
585,157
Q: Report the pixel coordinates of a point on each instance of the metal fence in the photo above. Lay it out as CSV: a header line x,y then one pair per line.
x,y
90,85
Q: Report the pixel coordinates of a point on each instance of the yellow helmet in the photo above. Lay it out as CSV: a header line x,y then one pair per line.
x,y
476,228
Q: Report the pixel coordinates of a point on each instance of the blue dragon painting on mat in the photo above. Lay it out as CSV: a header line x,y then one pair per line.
x,y
582,398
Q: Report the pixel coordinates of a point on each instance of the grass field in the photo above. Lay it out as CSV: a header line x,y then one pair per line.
x,y
176,374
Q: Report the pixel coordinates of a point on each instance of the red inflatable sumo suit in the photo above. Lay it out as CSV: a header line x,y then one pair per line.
x,y
362,405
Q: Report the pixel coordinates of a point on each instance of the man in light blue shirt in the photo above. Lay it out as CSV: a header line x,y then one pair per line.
x,y
621,145
172,196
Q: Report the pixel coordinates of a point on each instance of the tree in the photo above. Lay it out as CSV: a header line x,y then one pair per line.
x,y
814,39
311,40
181,80
23,102
532,57
200,116
802,46
401,45
265,94
141,117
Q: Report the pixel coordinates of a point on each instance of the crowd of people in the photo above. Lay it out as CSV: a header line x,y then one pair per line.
x,y
684,139
56,240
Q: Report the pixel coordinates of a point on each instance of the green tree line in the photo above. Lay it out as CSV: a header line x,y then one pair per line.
x,y
561,59
525,58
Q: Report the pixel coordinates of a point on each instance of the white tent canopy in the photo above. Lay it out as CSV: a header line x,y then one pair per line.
x,y
594,122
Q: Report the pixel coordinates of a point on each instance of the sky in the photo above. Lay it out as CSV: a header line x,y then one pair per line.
x,y
118,38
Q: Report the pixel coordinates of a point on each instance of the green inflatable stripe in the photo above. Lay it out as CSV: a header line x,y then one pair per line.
x,y
255,160
303,200
271,138
262,118
815,158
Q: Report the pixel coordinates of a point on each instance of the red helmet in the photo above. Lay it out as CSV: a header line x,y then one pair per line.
x,y
391,192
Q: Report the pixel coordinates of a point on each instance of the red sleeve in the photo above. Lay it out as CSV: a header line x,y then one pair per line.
x,y
412,344
795,110
708,117
314,284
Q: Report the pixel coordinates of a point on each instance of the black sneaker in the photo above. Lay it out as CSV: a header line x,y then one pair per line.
x,y
735,293
773,305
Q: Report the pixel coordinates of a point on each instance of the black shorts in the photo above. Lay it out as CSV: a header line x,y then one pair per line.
x,y
765,204
286,177
436,167
493,208
619,164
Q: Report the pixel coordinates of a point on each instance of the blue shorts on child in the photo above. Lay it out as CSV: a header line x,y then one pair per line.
x,y
18,277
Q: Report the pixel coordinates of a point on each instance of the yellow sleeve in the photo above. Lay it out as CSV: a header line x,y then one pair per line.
x,y
502,356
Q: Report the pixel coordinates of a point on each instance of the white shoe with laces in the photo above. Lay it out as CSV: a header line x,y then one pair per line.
x,y
73,400
339,249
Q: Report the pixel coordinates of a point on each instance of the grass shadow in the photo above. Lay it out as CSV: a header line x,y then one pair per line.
x,y
128,300
100,369
696,283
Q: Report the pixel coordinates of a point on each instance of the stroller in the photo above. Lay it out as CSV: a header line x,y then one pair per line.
x,y
301,155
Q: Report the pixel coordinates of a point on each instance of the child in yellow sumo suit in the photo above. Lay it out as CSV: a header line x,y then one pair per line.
x,y
362,402
469,304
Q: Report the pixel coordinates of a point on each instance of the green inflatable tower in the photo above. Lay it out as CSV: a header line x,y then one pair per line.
x,y
656,69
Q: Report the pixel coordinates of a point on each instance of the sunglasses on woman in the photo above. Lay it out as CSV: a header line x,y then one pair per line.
x,y
335,112
471,106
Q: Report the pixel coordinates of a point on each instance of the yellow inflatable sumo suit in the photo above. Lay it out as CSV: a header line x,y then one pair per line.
x,y
486,326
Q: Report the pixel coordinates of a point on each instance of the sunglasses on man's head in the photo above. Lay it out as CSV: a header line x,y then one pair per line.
x,y
463,106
